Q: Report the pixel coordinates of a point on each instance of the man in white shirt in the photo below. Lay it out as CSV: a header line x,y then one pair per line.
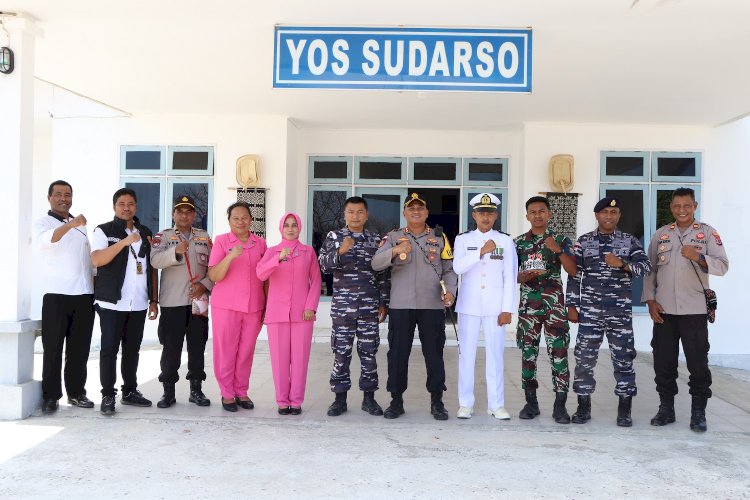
x,y
126,286
68,301
486,261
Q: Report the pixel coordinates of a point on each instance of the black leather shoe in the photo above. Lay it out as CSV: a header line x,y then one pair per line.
x,y
623,412
438,411
370,405
135,398
168,398
665,414
559,413
80,401
396,408
196,394
583,413
338,406
531,408
698,414
285,410
49,406
246,404
232,406
295,410
108,405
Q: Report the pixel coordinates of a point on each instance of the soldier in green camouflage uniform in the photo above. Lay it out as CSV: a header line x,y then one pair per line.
x,y
541,254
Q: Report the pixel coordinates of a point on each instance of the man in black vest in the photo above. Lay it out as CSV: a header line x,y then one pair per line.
x,y
126,286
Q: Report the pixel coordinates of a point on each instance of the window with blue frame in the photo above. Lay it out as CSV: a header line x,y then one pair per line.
x,y
643,182
160,173
384,182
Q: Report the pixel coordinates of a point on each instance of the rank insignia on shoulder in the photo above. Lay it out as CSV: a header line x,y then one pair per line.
x,y
696,225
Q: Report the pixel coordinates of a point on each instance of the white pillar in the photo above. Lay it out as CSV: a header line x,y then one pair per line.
x,y
19,393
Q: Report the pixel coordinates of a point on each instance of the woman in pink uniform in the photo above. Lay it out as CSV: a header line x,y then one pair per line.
x,y
293,275
237,304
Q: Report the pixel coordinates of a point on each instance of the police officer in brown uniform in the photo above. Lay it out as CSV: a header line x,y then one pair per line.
x,y
422,285
684,253
182,254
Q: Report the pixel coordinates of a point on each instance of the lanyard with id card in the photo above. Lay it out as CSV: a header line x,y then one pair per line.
x,y
138,263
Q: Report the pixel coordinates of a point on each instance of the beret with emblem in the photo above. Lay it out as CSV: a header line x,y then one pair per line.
x,y
606,203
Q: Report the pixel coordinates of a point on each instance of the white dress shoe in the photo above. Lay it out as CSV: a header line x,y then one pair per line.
x,y
464,412
499,413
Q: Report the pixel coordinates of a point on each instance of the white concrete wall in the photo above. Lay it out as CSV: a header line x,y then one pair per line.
x,y
86,153
726,176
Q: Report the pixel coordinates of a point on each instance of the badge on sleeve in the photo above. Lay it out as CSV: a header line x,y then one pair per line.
x,y
717,238
156,240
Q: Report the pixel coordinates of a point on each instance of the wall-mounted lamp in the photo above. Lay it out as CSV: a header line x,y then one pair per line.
x,y
6,60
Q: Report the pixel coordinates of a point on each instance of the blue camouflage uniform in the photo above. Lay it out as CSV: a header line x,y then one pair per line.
x,y
358,292
602,295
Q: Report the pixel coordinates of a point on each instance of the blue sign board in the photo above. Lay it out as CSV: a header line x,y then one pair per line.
x,y
477,60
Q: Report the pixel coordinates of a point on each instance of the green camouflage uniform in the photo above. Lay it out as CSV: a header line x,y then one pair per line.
x,y
542,304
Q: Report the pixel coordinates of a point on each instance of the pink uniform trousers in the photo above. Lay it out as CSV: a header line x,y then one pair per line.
x,y
234,334
289,344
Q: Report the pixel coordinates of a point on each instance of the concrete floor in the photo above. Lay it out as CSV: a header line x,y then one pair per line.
x,y
192,452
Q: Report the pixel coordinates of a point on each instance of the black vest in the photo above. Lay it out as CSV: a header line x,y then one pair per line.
x,y
109,278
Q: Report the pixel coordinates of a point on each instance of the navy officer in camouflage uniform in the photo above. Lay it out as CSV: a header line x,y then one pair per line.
x,y
423,283
359,303
599,297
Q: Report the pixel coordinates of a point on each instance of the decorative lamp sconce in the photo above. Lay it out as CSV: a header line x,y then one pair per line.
x,y
6,60
247,171
561,173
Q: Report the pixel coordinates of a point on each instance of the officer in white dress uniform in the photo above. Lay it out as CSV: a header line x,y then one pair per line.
x,y
486,261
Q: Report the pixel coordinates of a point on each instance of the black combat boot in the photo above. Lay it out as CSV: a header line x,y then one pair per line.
x,y
437,408
559,413
338,406
370,405
168,398
665,415
396,408
623,412
196,394
698,414
531,408
583,413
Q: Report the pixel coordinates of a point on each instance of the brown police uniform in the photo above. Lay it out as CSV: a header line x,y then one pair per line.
x,y
177,321
675,284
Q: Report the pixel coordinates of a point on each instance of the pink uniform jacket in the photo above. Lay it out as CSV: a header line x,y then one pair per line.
x,y
240,290
293,285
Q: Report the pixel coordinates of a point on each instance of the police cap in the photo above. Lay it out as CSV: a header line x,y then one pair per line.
x,y
412,197
184,201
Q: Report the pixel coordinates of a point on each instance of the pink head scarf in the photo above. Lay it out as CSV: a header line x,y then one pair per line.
x,y
284,242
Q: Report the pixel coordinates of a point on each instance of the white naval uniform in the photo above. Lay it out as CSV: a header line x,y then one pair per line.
x,y
488,288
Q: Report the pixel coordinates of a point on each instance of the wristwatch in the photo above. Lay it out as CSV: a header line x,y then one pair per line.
x,y
701,257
